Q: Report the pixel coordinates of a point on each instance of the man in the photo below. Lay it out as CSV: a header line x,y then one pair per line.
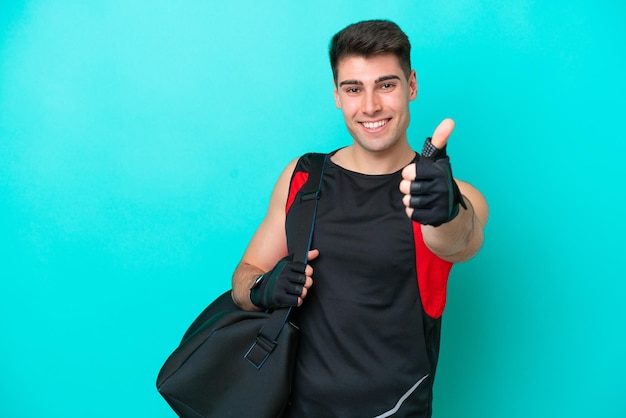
x,y
390,223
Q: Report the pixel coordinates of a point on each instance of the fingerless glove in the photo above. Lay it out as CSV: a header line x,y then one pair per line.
x,y
435,196
280,286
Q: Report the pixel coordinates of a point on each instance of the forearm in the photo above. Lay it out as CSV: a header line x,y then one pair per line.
x,y
458,240
243,278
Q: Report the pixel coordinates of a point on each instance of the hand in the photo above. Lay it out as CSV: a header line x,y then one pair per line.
x,y
432,197
285,285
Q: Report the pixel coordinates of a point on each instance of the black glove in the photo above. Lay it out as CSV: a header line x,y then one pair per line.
x,y
435,196
280,286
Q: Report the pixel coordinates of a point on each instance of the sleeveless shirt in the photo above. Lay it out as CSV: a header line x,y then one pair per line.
x,y
370,324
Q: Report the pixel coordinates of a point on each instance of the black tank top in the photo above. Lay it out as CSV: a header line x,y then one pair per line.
x,y
367,348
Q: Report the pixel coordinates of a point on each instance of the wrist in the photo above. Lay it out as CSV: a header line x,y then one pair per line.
x,y
243,279
257,281
451,237
253,294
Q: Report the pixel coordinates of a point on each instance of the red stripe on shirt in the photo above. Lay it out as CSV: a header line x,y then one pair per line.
x,y
432,275
297,181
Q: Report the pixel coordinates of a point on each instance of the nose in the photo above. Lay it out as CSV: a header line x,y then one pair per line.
x,y
371,103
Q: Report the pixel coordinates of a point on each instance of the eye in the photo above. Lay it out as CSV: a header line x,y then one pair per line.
x,y
352,90
387,86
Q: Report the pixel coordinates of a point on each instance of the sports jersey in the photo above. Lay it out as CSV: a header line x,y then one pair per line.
x,y
370,324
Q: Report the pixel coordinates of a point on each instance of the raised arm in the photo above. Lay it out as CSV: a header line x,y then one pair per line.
x,y
461,238
267,248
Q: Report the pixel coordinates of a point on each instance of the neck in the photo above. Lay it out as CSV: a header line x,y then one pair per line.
x,y
364,161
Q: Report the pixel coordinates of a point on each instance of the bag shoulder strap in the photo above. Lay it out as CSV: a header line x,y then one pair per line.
x,y
309,196
267,338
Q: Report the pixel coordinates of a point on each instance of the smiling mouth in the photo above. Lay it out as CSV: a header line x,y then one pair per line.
x,y
375,125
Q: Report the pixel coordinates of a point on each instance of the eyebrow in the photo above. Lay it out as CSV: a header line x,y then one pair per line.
x,y
378,80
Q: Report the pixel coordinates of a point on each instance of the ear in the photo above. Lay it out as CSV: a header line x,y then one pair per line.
x,y
413,85
336,94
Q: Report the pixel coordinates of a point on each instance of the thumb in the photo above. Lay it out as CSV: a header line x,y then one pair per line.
x,y
442,133
313,254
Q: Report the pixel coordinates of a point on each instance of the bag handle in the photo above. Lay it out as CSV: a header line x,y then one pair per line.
x,y
267,338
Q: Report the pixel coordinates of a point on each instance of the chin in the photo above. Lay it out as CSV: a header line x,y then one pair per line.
x,y
376,145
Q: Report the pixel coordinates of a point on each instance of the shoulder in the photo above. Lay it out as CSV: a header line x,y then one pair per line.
x,y
297,171
304,162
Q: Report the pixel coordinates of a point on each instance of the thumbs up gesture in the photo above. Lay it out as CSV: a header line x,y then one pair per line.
x,y
432,197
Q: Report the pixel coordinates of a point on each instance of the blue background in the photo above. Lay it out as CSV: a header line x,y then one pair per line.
x,y
140,140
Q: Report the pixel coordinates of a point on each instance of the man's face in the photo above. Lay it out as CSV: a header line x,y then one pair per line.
x,y
374,95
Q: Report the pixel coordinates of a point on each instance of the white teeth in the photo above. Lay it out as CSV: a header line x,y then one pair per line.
x,y
375,125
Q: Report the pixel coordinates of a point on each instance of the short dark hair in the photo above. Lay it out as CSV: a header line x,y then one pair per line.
x,y
370,38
